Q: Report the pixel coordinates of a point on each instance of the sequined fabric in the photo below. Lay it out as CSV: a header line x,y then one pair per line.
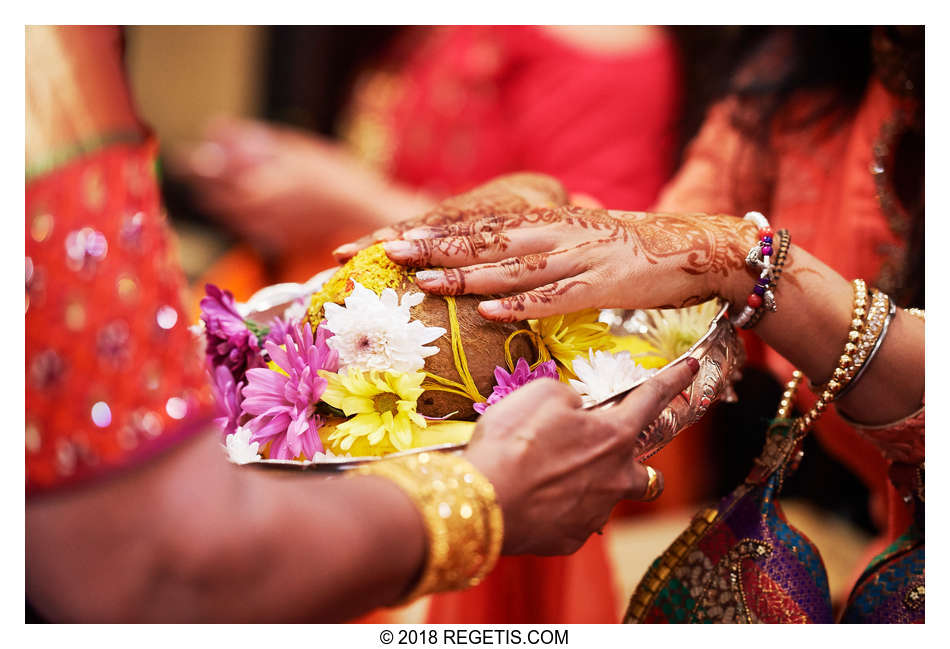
x,y
741,562
113,374
891,589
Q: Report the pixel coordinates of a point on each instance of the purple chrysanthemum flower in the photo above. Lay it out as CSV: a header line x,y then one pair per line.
x,y
230,342
284,404
279,328
227,395
506,383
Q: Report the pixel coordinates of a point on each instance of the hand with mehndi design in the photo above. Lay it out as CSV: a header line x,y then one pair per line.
x,y
504,195
564,259
517,236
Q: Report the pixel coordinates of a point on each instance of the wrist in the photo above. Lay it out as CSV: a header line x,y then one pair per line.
x,y
735,284
464,527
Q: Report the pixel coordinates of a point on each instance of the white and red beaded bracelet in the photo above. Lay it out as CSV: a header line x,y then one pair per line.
x,y
760,258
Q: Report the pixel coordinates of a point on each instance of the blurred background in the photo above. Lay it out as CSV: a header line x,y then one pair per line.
x,y
383,121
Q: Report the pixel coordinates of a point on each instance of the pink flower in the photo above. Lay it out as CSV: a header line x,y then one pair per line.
x,y
284,404
227,395
506,383
230,341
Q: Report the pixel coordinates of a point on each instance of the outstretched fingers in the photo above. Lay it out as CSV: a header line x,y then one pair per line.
x,y
437,217
468,250
563,296
507,276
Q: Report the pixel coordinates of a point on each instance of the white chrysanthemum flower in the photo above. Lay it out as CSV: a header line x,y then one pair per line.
x,y
603,374
240,448
375,332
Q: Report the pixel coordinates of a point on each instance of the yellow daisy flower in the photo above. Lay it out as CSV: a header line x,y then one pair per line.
x,y
640,350
381,407
572,335
671,332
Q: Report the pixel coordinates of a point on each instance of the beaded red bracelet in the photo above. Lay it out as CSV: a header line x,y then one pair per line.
x,y
778,263
759,257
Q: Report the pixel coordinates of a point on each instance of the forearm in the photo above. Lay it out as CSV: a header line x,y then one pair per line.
x,y
194,538
810,329
705,256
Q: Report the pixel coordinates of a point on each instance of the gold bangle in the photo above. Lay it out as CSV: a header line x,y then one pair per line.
x,y
464,525
878,322
917,313
867,325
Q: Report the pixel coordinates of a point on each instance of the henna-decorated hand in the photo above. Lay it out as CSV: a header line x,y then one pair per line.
x,y
503,195
551,260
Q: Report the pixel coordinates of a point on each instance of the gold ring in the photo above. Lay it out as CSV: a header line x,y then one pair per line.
x,y
654,488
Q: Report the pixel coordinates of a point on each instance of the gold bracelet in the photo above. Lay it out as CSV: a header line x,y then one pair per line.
x,y
878,322
464,525
867,325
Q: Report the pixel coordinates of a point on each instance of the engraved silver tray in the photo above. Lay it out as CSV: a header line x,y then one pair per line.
x,y
719,351
720,354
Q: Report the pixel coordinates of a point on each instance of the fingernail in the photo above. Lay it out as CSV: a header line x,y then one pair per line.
x,y
398,248
416,233
491,306
429,275
693,364
344,249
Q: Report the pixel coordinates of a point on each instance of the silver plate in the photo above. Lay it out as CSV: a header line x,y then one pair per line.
x,y
720,354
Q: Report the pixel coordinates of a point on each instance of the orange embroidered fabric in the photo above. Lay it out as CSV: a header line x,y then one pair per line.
x,y
113,375
819,183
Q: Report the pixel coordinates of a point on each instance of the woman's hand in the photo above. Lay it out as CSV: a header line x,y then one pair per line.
x,y
564,259
559,470
509,194
281,187
516,236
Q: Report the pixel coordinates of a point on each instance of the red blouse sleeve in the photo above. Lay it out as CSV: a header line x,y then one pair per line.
x,y
603,124
113,375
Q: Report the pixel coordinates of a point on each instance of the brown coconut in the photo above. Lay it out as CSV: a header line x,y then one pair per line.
x,y
482,340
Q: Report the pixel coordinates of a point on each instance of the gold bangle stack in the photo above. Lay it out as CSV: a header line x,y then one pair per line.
x,y
464,525
867,325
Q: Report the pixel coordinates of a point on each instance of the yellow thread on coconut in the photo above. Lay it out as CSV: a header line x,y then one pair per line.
x,y
568,336
467,387
373,269
543,353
